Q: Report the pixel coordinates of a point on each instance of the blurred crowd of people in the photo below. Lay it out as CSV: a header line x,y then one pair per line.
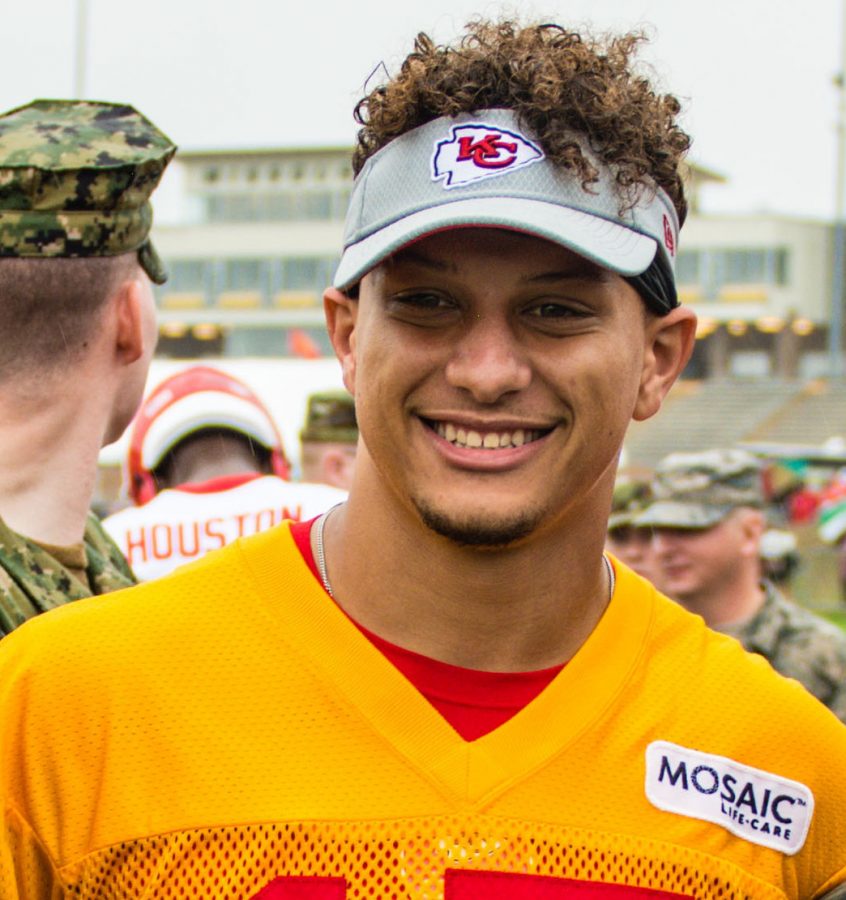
x,y
712,531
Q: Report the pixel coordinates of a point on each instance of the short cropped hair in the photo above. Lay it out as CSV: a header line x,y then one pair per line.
x,y
49,308
557,81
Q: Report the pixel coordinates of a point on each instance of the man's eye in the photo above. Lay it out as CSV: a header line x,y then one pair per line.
x,y
554,311
423,300
425,308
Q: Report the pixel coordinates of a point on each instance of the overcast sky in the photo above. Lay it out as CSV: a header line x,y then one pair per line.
x,y
755,76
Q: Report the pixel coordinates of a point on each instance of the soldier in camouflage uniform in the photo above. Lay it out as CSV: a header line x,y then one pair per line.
x,y
329,438
626,539
708,521
77,331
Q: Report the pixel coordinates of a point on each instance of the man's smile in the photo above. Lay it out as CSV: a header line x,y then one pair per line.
x,y
488,439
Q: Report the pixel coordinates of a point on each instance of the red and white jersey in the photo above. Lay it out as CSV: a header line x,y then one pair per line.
x,y
181,524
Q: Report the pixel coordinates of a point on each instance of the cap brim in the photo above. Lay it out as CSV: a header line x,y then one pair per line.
x,y
621,519
608,244
672,514
203,409
151,262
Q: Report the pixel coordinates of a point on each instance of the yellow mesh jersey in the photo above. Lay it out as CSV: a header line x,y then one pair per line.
x,y
228,732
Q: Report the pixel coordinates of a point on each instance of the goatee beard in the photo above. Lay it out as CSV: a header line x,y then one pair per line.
x,y
475,531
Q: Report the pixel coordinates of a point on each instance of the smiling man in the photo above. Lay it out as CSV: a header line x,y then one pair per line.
x,y
443,688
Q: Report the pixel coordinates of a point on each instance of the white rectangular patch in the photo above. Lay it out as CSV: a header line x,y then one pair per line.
x,y
755,805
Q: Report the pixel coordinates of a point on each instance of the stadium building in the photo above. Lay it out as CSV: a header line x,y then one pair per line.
x,y
258,241
259,232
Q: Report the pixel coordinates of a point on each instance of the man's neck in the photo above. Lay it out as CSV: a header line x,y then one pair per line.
x,y
49,455
517,609
729,604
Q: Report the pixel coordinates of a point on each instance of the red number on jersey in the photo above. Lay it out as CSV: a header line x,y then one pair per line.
x,y
462,884
304,887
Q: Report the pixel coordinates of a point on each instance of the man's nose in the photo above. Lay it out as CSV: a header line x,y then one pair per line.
x,y
488,360
659,541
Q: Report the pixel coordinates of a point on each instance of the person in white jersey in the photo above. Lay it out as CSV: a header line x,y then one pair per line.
x,y
205,466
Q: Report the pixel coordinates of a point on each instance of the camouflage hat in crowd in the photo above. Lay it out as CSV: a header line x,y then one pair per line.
x,y
330,417
697,490
631,497
76,178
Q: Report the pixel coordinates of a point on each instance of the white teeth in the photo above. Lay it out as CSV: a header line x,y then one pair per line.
x,y
490,440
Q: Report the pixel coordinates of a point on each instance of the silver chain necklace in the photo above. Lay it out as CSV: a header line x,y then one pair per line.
x,y
321,553
324,575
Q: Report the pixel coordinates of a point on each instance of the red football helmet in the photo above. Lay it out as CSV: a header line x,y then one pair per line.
x,y
190,401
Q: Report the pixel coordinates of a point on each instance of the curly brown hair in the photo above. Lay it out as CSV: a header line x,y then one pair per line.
x,y
558,82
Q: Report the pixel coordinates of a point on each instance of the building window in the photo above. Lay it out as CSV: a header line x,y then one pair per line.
x,y
745,267
711,269
340,202
187,275
687,267
244,275
317,206
289,206
780,269
301,274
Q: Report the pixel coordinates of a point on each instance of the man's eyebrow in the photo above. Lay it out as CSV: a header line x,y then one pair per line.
x,y
411,255
580,271
577,273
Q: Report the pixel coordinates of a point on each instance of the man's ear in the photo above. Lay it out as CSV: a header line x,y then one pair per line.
x,y
337,467
341,315
130,337
752,525
669,343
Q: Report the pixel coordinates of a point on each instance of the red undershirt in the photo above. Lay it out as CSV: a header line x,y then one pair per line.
x,y
473,702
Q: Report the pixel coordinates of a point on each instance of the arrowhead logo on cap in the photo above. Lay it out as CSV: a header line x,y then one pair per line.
x,y
475,151
669,238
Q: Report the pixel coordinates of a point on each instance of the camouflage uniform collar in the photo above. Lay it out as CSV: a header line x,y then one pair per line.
x,y
772,599
33,582
35,571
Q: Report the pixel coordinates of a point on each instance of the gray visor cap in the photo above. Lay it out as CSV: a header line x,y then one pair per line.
x,y
483,170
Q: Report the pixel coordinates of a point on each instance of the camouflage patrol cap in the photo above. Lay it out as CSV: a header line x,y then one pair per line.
x,y
630,499
75,181
330,417
698,490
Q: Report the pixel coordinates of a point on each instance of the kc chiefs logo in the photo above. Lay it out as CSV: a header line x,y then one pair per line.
x,y
477,151
669,237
